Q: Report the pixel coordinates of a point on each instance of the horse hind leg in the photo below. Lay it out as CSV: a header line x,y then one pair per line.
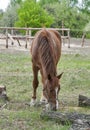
x,y
35,85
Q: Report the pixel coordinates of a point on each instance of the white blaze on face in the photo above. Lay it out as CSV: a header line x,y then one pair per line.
x,y
56,93
57,104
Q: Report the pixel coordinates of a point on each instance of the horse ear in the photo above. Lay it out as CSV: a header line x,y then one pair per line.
x,y
60,75
49,77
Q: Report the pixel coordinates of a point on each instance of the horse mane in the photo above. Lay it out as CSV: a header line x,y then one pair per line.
x,y
46,52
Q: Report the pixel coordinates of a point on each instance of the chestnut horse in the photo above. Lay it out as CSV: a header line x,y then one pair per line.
x,y
46,51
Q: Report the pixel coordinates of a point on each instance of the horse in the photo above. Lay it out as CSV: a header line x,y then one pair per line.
x,y
46,52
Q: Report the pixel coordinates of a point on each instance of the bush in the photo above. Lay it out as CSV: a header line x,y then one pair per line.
x,y
32,15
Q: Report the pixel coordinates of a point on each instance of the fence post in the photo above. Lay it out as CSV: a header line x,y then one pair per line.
x,y
6,38
30,34
63,32
12,32
27,33
68,38
83,39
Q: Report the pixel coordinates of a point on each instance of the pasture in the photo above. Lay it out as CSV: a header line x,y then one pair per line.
x,y
16,74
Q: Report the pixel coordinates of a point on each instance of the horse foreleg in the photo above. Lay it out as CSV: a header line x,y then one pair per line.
x,y
35,85
43,99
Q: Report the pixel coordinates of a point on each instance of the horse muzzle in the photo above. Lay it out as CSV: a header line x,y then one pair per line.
x,y
51,107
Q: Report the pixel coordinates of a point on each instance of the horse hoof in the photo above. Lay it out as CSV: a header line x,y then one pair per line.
x,y
33,102
43,102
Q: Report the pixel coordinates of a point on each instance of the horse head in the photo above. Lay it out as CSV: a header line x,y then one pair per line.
x,y
51,90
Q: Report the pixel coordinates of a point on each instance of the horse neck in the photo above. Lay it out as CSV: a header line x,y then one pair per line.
x,y
50,69
48,61
47,53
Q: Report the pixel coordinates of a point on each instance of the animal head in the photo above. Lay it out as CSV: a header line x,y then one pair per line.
x,y
51,90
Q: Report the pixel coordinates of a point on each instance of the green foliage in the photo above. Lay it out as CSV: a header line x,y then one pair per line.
x,y
73,2
71,17
87,30
43,2
32,15
85,7
14,2
87,27
48,13
68,13
10,16
1,14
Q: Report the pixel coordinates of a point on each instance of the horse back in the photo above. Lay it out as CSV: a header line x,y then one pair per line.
x,y
53,38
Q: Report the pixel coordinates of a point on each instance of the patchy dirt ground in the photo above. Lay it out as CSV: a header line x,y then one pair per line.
x,y
75,47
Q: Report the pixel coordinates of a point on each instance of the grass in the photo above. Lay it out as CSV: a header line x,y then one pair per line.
x,y
16,74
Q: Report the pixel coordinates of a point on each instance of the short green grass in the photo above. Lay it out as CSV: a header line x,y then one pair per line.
x,y
16,74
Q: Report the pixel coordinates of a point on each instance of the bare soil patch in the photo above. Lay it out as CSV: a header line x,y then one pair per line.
x,y
75,47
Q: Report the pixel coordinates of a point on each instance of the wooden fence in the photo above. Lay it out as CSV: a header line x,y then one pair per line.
x,y
9,33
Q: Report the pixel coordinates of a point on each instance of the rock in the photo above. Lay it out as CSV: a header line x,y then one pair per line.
x,y
3,93
80,125
83,101
78,121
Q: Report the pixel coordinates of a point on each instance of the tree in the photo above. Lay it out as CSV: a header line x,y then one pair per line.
x,y
32,15
43,2
1,14
85,6
10,16
70,15
73,3
14,2
87,27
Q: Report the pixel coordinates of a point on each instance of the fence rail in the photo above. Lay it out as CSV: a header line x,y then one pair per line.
x,y
9,33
